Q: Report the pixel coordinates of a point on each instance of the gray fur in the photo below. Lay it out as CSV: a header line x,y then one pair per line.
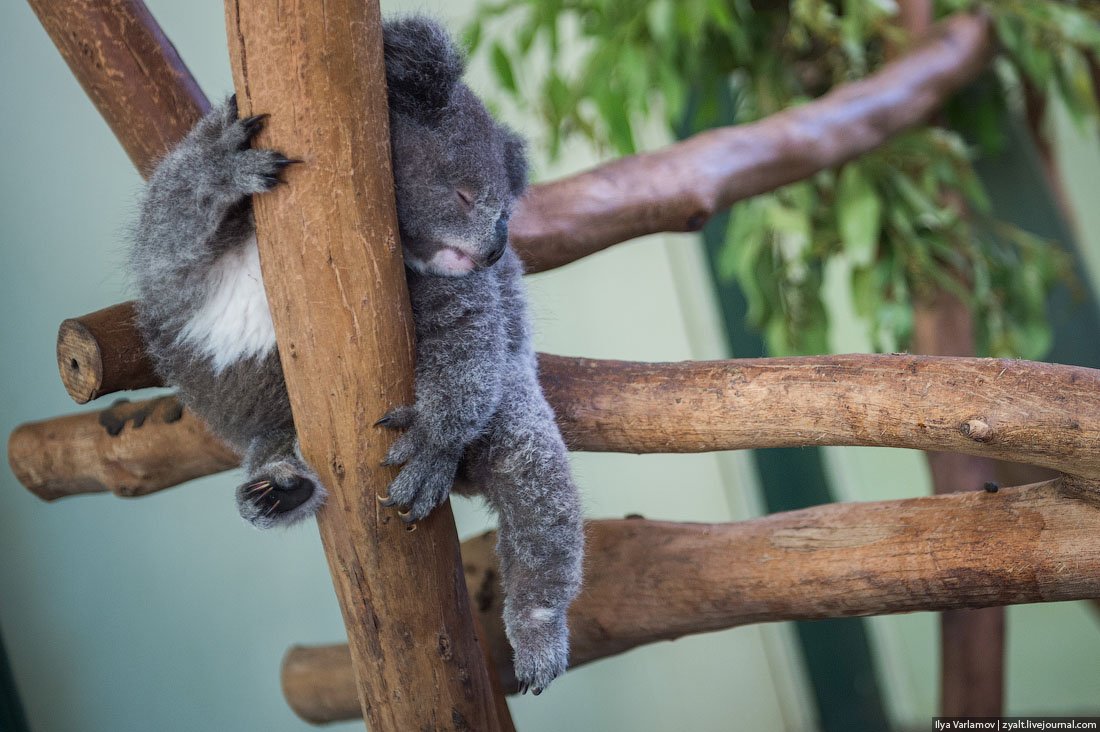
x,y
478,401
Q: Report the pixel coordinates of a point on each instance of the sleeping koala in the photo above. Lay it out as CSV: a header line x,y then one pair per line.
x,y
479,406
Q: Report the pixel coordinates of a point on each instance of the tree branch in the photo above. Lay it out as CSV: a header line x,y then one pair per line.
x,y
1021,411
681,186
648,581
130,71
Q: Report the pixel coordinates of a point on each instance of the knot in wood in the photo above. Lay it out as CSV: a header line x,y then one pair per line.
x,y
977,429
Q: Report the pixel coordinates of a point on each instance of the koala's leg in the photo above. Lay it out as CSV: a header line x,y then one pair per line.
x,y
281,488
523,468
197,202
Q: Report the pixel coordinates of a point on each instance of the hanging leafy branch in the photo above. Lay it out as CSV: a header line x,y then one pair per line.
x,y
893,218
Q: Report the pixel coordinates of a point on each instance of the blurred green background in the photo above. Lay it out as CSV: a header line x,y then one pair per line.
x,y
169,613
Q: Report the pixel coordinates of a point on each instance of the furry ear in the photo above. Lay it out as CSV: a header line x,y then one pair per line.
x,y
423,65
515,160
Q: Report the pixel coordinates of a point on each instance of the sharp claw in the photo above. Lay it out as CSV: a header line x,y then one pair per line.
x,y
406,516
385,500
273,180
388,463
523,688
282,161
254,123
536,691
384,420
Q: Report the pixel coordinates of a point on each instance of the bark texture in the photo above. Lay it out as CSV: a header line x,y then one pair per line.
x,y
130,71
649,581
335,279
1021,411
129,449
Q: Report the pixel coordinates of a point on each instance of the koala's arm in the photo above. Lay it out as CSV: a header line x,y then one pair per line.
x,y
460,354
197,202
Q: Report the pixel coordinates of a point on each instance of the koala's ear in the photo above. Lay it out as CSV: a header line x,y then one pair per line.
x,y
515,161
423,65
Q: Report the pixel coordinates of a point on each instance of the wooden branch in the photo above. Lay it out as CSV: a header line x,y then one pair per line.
x,y
129,70
335,278
648,581
129,449
680,187
1020,411
101,353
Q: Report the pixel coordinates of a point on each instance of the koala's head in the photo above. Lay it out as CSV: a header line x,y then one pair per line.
x,y
457,173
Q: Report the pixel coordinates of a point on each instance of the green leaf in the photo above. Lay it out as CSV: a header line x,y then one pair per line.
x,y
859,215
502,66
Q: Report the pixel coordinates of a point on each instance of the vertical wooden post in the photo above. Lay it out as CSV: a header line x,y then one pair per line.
x,y
335,279
971,641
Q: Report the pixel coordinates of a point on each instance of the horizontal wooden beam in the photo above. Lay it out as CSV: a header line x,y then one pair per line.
x,y
129,449
648,581
1020,411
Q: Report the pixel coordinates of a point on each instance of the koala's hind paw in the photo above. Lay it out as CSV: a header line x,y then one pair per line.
x,y
280,494
541,648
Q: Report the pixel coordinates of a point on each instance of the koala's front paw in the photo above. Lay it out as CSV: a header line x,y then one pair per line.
x,y
227,166
428,475
540,642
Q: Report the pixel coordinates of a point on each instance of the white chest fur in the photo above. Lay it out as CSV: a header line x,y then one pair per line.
x,y
234,322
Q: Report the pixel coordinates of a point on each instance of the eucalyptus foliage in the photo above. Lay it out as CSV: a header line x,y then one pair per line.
x,y
890,218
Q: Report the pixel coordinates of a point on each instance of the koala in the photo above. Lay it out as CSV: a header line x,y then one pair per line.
x,y
479,412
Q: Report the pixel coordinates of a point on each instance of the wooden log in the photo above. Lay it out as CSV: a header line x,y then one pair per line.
x,y
335,279
130,71
675,189
1032,413
129,449
101,353
648,581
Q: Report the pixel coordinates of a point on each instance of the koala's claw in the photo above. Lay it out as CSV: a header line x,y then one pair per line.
x,y
252,125
397,418
386,501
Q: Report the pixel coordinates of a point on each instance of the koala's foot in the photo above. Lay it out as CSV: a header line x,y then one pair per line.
x,y
224,163
279,494
540,643
428,475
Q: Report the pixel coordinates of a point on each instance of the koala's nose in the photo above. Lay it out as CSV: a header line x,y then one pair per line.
x,y
500,241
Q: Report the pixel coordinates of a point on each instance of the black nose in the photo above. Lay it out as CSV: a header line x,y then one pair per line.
x,y
500,241
496,253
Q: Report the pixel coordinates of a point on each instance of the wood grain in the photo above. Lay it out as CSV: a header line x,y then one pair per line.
x,y
130,71
335,279
648,581
101,353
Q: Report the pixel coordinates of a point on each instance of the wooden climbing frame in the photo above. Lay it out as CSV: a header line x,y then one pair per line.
x,y
348,357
